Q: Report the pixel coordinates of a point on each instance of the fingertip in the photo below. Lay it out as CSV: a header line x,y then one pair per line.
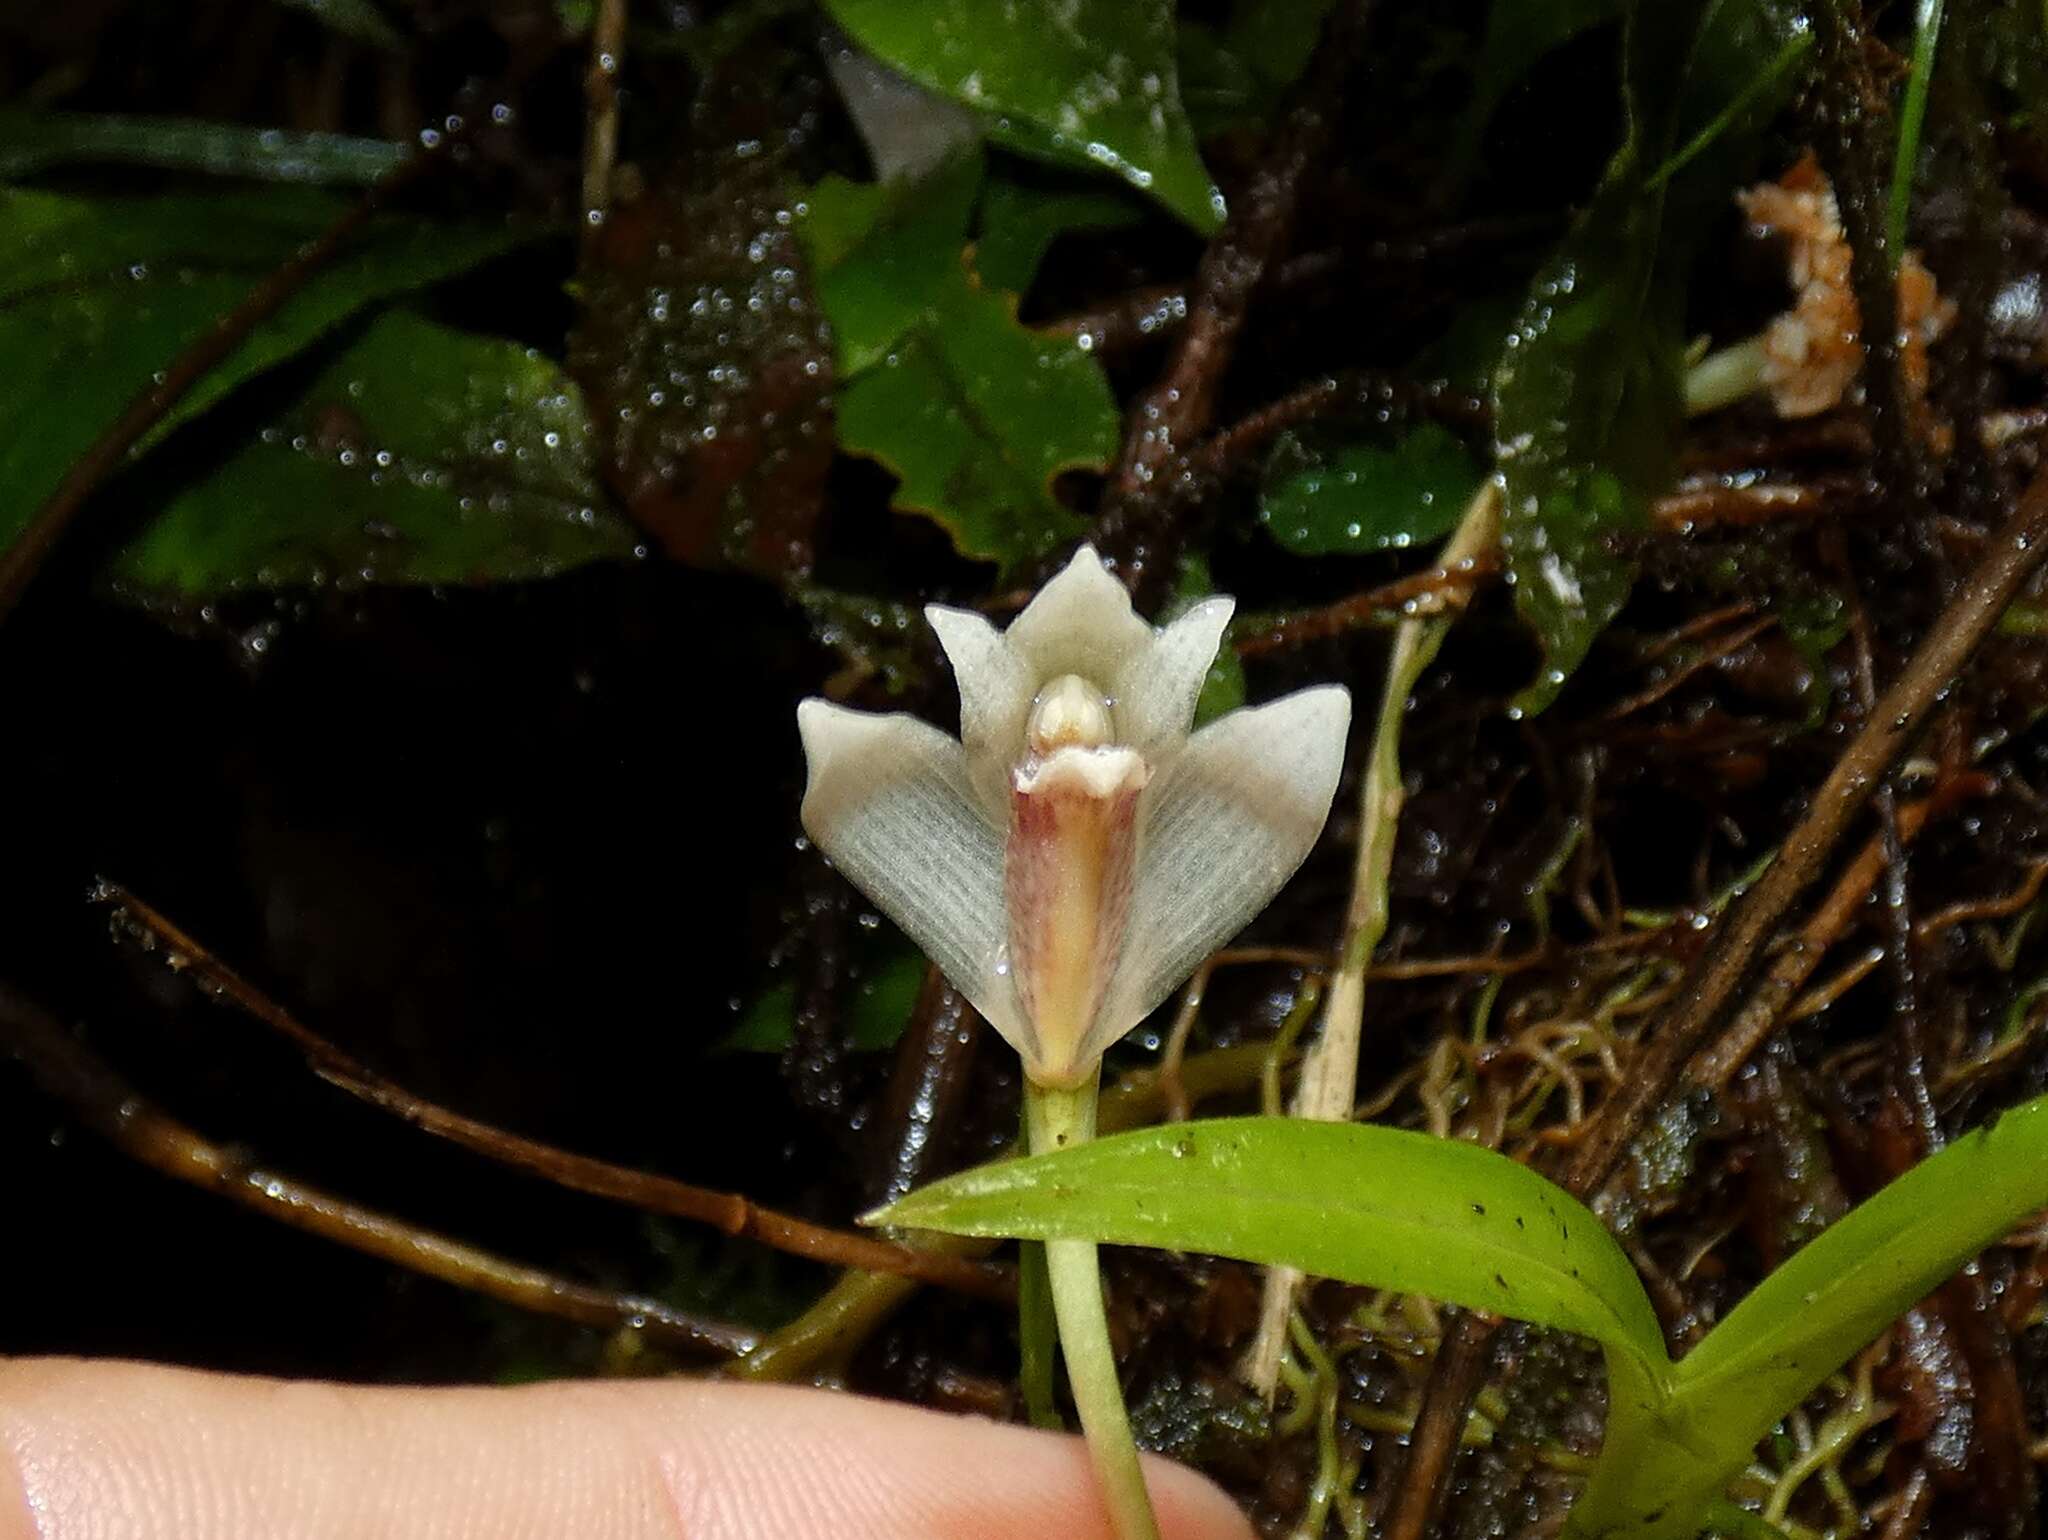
x,y
1191,1506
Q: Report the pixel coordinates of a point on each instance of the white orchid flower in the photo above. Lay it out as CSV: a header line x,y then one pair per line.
x,y
1075,854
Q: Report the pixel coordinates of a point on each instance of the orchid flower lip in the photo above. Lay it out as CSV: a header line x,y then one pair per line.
x,y
1077,852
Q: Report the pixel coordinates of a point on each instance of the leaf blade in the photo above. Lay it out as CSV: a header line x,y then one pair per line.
x,y
418,454
1384,1207
98,294
1089,83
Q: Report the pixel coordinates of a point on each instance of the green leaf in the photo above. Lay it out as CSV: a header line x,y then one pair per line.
x,y
1384,1207
976,415
417,455
1824,1304
1323,498
36,141
879,252
1912,113
96,295
1020,223
1588,396
768,1025
1090,83
1399,1210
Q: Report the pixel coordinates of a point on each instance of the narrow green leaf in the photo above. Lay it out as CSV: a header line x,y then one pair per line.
x,y
1091,83
976,415
98,294
36,141
1912,114
1378,1206
1809,1317
1830,1298
417,455
1761,89
1324,498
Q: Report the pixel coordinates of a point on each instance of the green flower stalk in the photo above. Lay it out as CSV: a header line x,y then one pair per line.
x,y
1071,858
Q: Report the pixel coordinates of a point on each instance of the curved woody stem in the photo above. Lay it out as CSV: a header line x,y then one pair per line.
x,y
1058,1119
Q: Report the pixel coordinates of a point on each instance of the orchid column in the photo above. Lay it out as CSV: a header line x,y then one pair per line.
x,y
1071,859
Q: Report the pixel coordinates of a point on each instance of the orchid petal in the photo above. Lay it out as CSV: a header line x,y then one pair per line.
x,y
996,689
891,802
1154,689
1228,823
1080,623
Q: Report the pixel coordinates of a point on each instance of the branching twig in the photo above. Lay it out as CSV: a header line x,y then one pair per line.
x,y
1165,423
113,1109
1790,969
2014,552
728,1212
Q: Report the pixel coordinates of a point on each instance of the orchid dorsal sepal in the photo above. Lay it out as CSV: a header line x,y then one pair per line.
x,y
1073,856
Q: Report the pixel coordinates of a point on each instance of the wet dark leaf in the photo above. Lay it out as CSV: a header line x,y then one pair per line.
x,y
98,294
1092,83
1587,399
703,353
1324,497
417,455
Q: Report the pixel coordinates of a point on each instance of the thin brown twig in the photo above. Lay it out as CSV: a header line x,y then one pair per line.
x,y
1891,727
1842,104
1166,421
601,109
1735,639
24,558
113,1109
728,1212
1702,502
2011,558
1355,391
1968,909
1791,968
1433,591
